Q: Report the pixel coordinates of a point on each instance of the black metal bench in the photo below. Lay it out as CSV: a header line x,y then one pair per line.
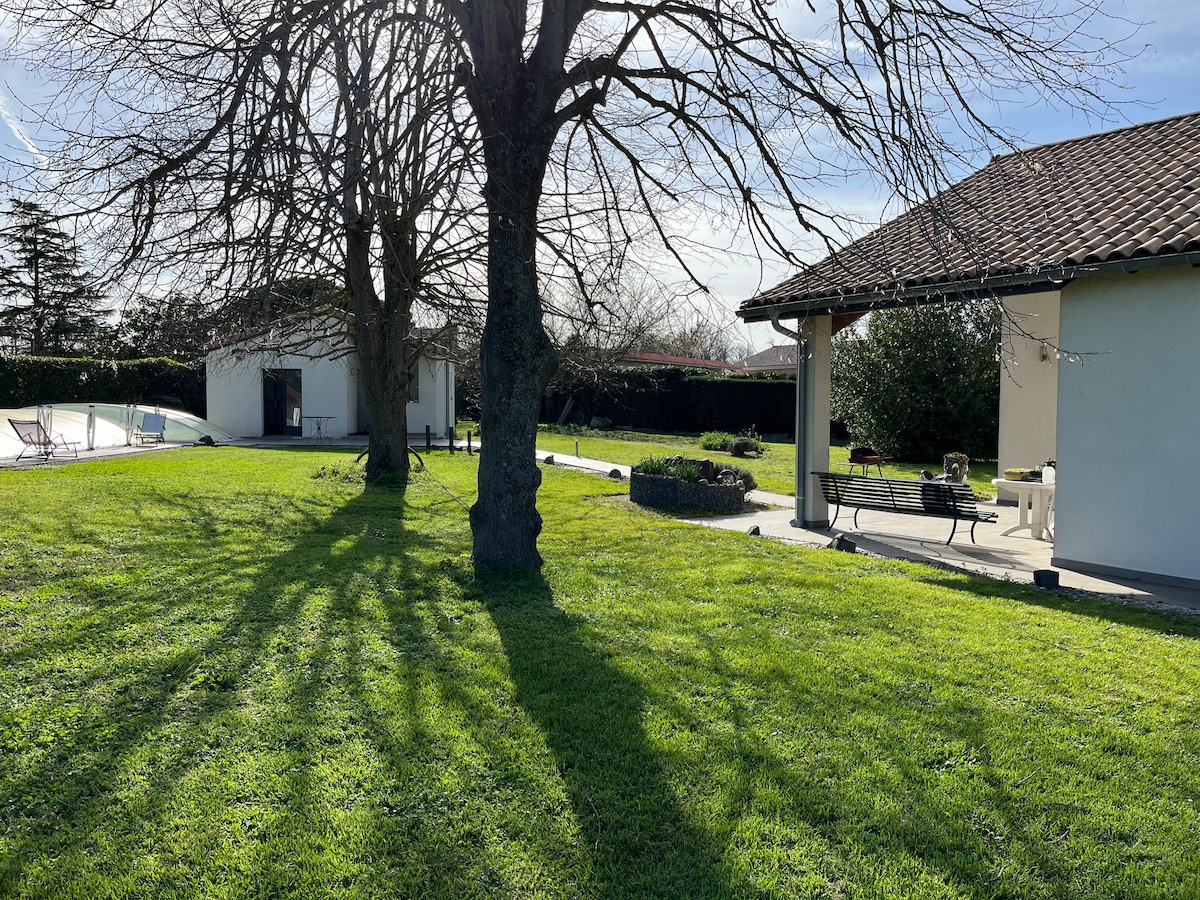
x,y
941,499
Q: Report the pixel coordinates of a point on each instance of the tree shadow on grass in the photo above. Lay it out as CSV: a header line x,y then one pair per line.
x,y
155,706
343,720
349,722
591,713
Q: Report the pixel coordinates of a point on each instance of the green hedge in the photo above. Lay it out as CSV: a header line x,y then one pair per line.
x,y
30,380
681,401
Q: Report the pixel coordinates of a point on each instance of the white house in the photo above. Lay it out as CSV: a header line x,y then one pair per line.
x,y
1092,245
282,382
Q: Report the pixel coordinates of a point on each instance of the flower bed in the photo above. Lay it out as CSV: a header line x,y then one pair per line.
x,y
665,491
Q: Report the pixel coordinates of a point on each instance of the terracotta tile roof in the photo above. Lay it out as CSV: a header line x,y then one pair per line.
x,y
1044,214
637,357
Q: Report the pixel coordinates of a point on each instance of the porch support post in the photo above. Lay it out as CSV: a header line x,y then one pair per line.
x,y
801,480
817,335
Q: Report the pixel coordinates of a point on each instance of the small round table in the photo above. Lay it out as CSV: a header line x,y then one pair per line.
x,y
319,423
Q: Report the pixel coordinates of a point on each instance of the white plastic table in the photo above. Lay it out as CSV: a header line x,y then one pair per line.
x,y
1033,502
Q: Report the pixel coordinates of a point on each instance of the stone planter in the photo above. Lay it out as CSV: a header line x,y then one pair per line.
x,y
665,492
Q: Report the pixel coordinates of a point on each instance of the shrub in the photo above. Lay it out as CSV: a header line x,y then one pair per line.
x,y
749,441
571,430
918,380
716,440
744,445
672,467
745,476
676,400
29,380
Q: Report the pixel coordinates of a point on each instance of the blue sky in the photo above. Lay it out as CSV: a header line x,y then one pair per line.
x,y
1163,80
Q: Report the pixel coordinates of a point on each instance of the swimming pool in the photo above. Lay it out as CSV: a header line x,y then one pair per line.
x,y
98,425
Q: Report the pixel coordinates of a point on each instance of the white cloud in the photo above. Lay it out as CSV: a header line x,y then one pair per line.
x,y
9,118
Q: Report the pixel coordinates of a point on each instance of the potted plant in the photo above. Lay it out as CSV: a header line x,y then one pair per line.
x,y
956,467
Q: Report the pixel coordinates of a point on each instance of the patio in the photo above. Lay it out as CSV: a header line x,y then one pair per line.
x,y
1012,556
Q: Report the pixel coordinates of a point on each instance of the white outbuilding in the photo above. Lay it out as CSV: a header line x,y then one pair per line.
x,y
289,380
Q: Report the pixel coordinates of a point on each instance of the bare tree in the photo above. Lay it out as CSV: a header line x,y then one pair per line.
x,y
231,145
655,104
600,122
593,328
696,337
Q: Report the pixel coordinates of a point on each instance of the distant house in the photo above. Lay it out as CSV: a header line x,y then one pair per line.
x,y
638,358
780,358
1092,245
276,382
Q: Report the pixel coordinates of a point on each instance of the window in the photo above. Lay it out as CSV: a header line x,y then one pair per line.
x,y
414,384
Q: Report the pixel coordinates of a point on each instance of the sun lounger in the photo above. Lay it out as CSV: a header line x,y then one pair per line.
x,y
152,428
41,442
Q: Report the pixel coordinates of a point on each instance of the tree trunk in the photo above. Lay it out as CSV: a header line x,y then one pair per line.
x,y
383,358
381,337
516,358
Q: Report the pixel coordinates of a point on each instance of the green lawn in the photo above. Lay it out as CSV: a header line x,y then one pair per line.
x,y
775,470
222,677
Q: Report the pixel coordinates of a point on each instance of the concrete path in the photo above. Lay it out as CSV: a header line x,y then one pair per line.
x,y
1012,557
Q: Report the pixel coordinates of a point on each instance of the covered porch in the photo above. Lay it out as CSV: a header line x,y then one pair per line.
x,y
1104,228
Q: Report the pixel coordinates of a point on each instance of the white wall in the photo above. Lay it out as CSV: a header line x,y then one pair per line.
x,y
435,404
435,400
235,391
1028,383
1128,488
329,386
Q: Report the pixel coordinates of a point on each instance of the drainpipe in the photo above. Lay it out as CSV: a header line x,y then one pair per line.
x,y
801,430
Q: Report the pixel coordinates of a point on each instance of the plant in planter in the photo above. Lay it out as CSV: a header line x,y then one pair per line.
x,y
956,467
670,467
678,483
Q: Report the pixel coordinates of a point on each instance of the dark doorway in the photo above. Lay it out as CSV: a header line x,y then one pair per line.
x,y
281,402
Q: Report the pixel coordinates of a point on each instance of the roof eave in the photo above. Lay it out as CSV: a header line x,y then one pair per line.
x,y
995,286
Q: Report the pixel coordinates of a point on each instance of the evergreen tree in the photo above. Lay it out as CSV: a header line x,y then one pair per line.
x,y
918,383
178,326
48,307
